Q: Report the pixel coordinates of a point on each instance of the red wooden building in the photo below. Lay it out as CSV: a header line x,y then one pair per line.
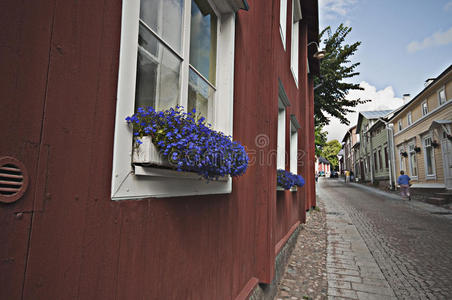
x,y
77,219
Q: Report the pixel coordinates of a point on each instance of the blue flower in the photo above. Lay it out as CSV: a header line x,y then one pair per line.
x,y
191,145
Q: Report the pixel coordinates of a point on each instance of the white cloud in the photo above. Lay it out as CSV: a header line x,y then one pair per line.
x,y
329,9
448,6
437,39
381,100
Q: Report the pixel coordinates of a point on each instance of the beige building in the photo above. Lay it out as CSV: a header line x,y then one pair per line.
x,y
423,135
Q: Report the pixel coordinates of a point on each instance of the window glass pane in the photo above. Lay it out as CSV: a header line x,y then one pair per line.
x,y
429,157
158,69
200,95
442,96
203,39
413,164
165,17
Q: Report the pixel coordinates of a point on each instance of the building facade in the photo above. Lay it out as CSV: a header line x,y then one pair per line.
x,y
348,142
423,135
370,155
87,223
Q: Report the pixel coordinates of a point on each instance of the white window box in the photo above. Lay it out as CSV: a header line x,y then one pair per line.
x,y
147,153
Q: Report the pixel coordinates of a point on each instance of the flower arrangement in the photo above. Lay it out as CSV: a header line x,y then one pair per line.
x,y
417,149
449,136
404,154
188,142
287,180
435,144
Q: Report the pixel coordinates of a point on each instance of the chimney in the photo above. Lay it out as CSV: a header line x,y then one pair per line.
x,y
406,98
428,81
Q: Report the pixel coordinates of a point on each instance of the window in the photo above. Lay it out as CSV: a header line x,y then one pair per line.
x,y
402,159
429,157
412,160
296,17
283,102
169,55
294,126
424,108
410,121
375,161
386,158
442,96
400,125
281,143
380,159
283,21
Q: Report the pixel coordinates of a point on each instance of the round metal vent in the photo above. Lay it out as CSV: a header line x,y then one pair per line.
x,y
13,179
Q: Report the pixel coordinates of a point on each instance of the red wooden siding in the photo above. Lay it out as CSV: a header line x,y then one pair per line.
x,y
59,70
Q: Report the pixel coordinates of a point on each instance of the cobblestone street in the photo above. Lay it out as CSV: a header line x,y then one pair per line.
x,y
378,247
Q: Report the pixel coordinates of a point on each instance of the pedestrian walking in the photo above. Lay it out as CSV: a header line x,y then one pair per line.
x,y
352,176
316,177
347,176
404,182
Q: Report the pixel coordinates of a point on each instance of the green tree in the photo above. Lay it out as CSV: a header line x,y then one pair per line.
x,y
320,140
331,87
330,151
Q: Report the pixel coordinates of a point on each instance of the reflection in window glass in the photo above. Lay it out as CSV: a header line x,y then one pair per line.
x,y
203,39
200,95
158,69
164,17
442,96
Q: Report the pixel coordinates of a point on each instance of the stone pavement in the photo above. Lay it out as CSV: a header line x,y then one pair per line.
x,y
305,276
352,270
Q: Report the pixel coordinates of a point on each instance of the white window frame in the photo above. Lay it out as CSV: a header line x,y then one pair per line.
x,y
424,111
294,52
126,184
283,21
402,165
409,118
400,125
424,146
283,103
294,126
439,97
411,153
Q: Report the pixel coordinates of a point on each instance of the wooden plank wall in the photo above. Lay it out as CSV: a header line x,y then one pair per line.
x,y
74,242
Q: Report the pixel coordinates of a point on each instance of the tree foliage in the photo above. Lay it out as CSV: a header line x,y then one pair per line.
x,y
330,151
335,68
320,139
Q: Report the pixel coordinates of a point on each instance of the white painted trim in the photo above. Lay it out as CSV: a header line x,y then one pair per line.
x,y
283,21
436,110
445,96
293,148
428,185
433,175
422,108
125,183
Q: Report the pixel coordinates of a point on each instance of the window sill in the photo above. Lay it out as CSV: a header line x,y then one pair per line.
x,y
170,173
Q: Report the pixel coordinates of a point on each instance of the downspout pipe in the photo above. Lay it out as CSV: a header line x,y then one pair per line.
x,y
391,158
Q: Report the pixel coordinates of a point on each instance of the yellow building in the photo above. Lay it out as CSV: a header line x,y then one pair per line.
x,y
423,135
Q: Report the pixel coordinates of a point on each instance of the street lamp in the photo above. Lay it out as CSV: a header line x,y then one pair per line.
x,y
320,53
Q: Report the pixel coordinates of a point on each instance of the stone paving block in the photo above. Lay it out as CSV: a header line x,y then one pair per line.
x,y
344,272
344,278
372,289
368,296
340,284
337,292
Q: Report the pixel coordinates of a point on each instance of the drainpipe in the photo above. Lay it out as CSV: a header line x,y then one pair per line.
x,y
371,158
391,158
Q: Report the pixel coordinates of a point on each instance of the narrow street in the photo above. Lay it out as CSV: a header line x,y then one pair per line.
x,y
380,246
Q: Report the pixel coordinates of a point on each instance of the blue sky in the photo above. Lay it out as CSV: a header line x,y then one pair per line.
x,y
403,43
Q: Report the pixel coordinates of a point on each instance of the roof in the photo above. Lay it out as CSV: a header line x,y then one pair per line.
x,y
349,131
375,114
323,160
402,108
371,115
